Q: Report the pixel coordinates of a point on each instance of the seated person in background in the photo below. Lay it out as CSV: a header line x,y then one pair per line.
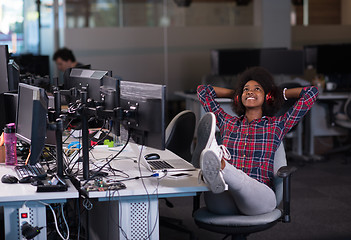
x,y
65,59
245,160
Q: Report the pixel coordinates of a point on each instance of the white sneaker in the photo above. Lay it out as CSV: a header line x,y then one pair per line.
x,y
211,171
206,138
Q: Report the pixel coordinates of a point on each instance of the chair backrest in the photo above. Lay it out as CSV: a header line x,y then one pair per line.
x,y
347,108
279,161
180,134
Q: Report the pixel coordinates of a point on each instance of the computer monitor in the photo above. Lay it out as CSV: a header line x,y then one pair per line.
x,y
13,71
32,119
110,99
143,105
233,61
4,56
90,79
331,60
38,65
283,61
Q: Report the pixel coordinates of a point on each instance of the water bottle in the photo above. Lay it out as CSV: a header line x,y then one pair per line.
x,y
10,140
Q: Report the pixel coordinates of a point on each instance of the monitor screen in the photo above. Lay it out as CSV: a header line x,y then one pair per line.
x,y
329,58
275,60
283,61
233,61
38,65
13,75
32,118
144,112
4,54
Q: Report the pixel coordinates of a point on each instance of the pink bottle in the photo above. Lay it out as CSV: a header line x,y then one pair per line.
x,y
10,140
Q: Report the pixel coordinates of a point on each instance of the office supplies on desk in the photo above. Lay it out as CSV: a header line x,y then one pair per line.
x,y
152,156
7,178
163,165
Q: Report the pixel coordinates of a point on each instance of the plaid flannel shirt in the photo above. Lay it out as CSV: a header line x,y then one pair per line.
x,y
252,145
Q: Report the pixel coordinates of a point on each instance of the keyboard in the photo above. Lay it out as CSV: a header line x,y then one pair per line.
x,y
30,170
159,164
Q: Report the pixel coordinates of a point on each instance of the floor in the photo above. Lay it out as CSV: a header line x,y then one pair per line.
x,y
320,207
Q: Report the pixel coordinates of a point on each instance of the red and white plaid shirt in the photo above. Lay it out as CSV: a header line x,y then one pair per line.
x,y
252,145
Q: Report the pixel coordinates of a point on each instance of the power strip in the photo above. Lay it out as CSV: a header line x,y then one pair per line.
x,y
23,216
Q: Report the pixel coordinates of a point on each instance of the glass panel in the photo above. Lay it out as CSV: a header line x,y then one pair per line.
x,y
11,25
118,13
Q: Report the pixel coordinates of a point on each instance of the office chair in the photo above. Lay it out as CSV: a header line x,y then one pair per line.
x,y
239,226
180,134
343,120
179,138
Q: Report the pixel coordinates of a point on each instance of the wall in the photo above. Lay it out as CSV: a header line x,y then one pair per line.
x,y
320,34
137,53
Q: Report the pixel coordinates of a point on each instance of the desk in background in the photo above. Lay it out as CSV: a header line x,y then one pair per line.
x,y
12,197
317,124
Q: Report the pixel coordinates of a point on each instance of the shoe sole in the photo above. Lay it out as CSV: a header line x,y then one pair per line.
x,y
211,166
205,135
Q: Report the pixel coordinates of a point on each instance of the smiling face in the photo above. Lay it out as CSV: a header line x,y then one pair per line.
x,y
253,95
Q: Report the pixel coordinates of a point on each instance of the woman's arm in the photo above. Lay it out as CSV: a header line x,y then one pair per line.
x,y
292,93
224,92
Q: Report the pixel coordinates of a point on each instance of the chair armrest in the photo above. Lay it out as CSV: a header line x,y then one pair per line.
x,y
285,173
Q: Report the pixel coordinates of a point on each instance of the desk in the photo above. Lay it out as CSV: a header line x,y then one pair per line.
x,y
12,197
316,124
138,205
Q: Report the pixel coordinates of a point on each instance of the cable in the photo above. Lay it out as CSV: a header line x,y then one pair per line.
x,y
53,213
91,177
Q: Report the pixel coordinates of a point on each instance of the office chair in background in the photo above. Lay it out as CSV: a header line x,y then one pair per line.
x,y
343,120
239,226
179,139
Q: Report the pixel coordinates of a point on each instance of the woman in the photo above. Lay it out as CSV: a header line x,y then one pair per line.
x,y
251,139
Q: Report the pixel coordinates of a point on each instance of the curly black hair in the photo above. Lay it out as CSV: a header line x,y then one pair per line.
x,y
265,79
65,54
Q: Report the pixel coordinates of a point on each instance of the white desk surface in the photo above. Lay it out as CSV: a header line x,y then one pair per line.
x,y
167,187
27,192
334,95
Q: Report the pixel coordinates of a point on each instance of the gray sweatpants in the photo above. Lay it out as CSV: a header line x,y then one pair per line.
x,y
245,195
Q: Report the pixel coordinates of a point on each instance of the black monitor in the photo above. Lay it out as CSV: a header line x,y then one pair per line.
x,y
143,105
331,60
90,79
38,65
110,99
233,61
13,71
4,55
283,61
32,119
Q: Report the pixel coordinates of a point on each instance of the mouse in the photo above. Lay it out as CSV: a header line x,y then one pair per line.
x,y
27,179
7,178
152,156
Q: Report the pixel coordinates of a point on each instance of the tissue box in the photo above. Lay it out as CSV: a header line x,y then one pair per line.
x,y
2,154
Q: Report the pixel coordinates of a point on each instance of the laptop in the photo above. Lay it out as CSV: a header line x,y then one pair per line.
x,y
169,163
